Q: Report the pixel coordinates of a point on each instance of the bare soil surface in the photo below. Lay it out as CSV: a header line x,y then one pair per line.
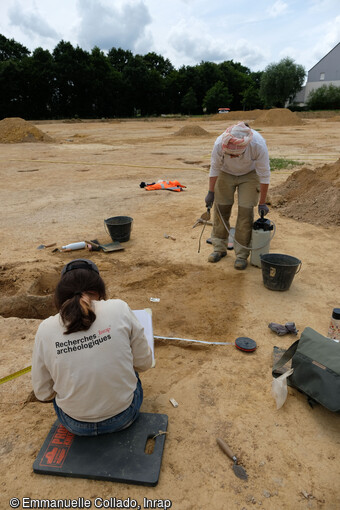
x,y
61,191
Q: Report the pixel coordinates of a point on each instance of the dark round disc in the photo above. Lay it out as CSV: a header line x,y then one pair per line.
x,y
245,344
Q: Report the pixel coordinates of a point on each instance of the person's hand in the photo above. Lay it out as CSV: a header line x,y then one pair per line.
x,y
264,208
209,199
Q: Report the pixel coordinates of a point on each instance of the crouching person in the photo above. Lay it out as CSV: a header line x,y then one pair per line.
x,y
87,357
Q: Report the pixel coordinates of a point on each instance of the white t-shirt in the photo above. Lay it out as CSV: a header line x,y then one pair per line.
x,y
92,373
255,157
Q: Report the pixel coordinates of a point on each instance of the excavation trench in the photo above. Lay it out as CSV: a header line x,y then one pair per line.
x,y
28,293
34,302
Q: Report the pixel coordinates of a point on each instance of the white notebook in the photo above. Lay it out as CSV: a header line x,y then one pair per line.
x,y
145,318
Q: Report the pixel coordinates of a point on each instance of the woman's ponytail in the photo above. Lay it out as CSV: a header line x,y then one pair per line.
x,y
73,297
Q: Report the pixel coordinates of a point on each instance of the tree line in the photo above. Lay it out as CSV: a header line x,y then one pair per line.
x,y
70,82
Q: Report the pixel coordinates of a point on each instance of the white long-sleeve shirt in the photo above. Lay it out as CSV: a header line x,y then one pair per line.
x,y
255,157
91,373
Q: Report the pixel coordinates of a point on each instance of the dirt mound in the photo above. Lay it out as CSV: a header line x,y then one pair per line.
x,y
16,130
191,130
237,115
278,117
312,196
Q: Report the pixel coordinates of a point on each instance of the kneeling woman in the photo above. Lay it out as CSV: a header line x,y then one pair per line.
x,y
87,357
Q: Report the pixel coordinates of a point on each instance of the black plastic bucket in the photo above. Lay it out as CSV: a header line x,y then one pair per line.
x,y
278,270
119,228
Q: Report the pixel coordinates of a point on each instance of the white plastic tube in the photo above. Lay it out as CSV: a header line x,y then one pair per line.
x,y
75,246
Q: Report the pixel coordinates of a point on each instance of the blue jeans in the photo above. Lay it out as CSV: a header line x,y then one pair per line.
x,y
119,422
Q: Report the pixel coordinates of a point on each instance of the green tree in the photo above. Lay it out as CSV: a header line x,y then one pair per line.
x,y
238,79
250,96
143,87
172,92
12,77
11,50
189,77
208,73
281,82
39,84
155,97
189,102
326,97
218,96
12,85
72,81
119,58
106,86
158,63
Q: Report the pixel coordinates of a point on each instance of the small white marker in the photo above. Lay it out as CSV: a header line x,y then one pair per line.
x,y
173,401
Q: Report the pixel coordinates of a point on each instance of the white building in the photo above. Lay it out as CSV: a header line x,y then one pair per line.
x,y
325,72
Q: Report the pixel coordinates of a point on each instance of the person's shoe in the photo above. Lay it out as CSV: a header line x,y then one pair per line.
x,y
216,256
240,264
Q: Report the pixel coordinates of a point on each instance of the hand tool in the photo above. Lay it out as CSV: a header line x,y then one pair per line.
x,y
238,470
42,246
115,246
201,222
206,215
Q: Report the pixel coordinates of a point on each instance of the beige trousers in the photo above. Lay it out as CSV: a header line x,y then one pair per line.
x,y
248,189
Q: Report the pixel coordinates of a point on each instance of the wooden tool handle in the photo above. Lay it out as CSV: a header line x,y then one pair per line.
x,y
225,448
92,243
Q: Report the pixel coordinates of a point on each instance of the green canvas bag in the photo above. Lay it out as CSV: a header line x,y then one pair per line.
x,y
316,363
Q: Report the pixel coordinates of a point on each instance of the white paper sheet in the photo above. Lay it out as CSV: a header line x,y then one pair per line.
x,y
145,318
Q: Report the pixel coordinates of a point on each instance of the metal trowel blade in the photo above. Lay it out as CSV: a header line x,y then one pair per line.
x,y
240,472
206,215
42,246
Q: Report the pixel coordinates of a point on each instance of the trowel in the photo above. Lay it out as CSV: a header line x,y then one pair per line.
x,y
206,215
42,246
115,246
204,219
238,470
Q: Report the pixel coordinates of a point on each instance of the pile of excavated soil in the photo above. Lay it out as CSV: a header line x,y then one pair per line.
x,y
191,130
17,130
312,196
278,117
237,115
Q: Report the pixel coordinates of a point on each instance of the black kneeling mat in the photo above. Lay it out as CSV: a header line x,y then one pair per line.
x,y
133,455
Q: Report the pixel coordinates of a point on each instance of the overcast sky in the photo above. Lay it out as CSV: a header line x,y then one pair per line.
x,y
254,33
